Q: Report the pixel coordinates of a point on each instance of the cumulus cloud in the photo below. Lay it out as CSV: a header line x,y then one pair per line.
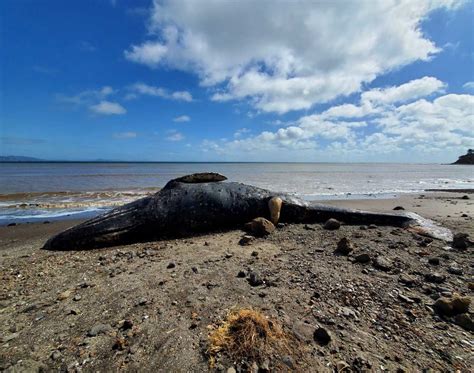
x,y
284,55
386,121
124,135
145,89
181,119
174,135
85,97
469,86
108,108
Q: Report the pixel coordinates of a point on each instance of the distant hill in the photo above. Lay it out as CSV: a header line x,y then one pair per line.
x,y
18,158
467,158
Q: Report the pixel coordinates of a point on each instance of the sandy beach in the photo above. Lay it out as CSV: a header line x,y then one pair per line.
x,y
151,306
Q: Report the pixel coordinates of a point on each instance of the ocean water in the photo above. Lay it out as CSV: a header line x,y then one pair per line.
x,y
46,191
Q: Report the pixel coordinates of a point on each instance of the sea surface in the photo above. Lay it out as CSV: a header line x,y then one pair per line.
x,y
48,191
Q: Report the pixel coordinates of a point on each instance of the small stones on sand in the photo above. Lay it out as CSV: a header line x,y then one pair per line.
x,y
435,277
362,258
461,241
344,246
332,224
322,336
246,240
260,227
455,270
99,329
64,295
382,263
255,279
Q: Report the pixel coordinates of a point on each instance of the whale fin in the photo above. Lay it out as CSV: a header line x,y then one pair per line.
x,y
429,228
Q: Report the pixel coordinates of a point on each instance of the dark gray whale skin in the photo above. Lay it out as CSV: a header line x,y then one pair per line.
x,y
184,209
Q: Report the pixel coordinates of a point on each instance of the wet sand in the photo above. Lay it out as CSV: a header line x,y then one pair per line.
x,y
66,310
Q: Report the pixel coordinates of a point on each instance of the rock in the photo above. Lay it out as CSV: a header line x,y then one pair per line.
x,y
363,227
372,226
465,197
322,336
241,274
255,279
171,265
77,298
455,270
11,225
362,258
288,361
246,240
344,246
73,311
260,227
64,295
461,241
127,324
56,355
433,261
435,277
465,321
452,306
396,208
342,366
406,280
231,370
382,263
254,253
99,329
332,224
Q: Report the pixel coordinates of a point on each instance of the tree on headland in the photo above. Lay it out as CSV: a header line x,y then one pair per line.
x,y
467,158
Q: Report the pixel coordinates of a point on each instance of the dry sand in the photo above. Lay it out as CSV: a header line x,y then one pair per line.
x,y
151,306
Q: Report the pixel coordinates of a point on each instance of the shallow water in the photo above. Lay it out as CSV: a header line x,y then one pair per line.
x,y
30,191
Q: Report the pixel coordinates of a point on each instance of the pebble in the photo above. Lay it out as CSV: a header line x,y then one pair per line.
x,y
171,265
465,321
246,240
241,274
260,227
64,295
254,279
342,366
372,226
56,355
332,224
77,297
231,370
322,336
362,258
382,263
406,280
461,241
455,270
435,277
344,246
396,208
255,253
433,261
99,329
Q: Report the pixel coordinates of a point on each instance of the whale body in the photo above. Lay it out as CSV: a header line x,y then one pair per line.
x,y
201,203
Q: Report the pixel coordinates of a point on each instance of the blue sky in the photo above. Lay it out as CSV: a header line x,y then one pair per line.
x,y
217,80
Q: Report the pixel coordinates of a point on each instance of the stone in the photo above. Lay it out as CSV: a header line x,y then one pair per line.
x,y
64,295
322,336
452,306
382,263
99,329
435,277
344,246
77,298
56,355
362,258
465,197
454,270
372,226
342,366
396,208
231,370
465,321
288,361
332,224
246,240
433,261
171,265
241,274
460,304
255,279
260,227
406,280
461,241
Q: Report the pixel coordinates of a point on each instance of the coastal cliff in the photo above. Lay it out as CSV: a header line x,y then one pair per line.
x,y
467,158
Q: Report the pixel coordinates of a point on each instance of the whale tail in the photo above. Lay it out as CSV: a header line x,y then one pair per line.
x,y
429,228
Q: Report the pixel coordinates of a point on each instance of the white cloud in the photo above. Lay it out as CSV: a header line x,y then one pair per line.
x,y
181,119
394,120
88,96
145,89
108,108
175,136
469,86
287,55
125,135
240,132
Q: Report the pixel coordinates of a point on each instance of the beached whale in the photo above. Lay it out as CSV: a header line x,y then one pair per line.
x,y
202,203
